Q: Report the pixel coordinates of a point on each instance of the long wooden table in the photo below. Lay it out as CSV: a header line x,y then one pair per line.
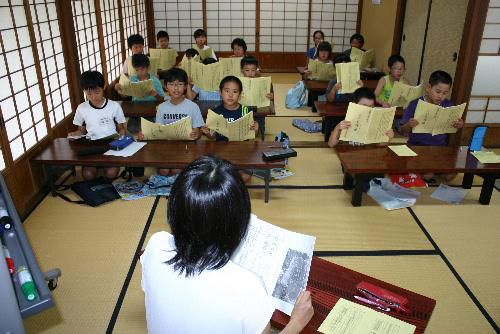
x,y
318,87
334,112
134,110
363,163
328,282
163,154
365,75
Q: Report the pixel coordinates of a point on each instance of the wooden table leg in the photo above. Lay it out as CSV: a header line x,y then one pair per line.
x,y
487,188
267,181
467,181
357,193
348,182
50,176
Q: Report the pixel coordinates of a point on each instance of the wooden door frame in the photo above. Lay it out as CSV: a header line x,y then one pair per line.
x,y
469,47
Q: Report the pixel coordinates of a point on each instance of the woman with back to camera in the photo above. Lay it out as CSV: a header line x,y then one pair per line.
x,y
191,284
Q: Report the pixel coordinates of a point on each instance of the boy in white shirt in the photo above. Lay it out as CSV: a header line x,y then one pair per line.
x,y
200,37
97,118
136,46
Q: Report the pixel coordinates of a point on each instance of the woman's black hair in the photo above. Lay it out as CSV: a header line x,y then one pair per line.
x,y
191,52
240,42
231,78
363,92
199,32
140,60
359,37
325,46
395,59
175,74
438,77
134,39
209,212
162,34
319,31
208,61
249,60
92,80
342,58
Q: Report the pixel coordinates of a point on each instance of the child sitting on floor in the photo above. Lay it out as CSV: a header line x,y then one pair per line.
x,y
363,96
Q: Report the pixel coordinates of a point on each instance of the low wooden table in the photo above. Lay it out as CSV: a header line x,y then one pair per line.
x,y
148,110
167,154
334,112
318,87
365,75
328,282
363,163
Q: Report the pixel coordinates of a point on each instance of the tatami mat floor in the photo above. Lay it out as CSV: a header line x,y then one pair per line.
x,y
95,247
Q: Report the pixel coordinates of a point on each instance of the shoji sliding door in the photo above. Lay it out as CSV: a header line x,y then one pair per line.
x,y
228,19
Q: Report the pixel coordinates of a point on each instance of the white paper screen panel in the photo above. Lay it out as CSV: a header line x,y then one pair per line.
x,y
53,69
87,39
227,20
141,16
283,25
129,18
486,76
180,19
112,40
337,19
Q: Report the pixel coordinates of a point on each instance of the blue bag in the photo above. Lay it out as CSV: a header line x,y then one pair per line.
x,y
296,96
307,125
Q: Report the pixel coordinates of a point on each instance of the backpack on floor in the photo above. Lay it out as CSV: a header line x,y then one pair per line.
x,y
296,96
307,125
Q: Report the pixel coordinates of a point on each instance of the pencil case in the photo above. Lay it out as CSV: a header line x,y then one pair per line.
x,y
279,154
383,297
120,144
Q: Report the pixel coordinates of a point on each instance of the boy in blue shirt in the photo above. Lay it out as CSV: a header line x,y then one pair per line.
x,y
333,90
141,65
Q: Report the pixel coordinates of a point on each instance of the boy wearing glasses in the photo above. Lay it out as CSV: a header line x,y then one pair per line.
x,y
97,118
178,107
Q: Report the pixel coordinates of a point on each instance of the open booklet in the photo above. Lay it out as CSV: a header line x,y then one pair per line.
x,y
320,70
238,130
154,64
179,130
186,64
363,58
368,125
280,258
230,66
255,90
435,119
207,77
136,89
166,57
402,94
348,76
205,53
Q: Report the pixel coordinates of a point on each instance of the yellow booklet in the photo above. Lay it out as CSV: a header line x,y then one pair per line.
x,y
167,57
206,53
255,90
230,66
320,70
363,58
348,76
136,89
348,317
186,64
153,66
238,130
403,151
435,119
179,130
368,125
486,157
207,77
402,94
